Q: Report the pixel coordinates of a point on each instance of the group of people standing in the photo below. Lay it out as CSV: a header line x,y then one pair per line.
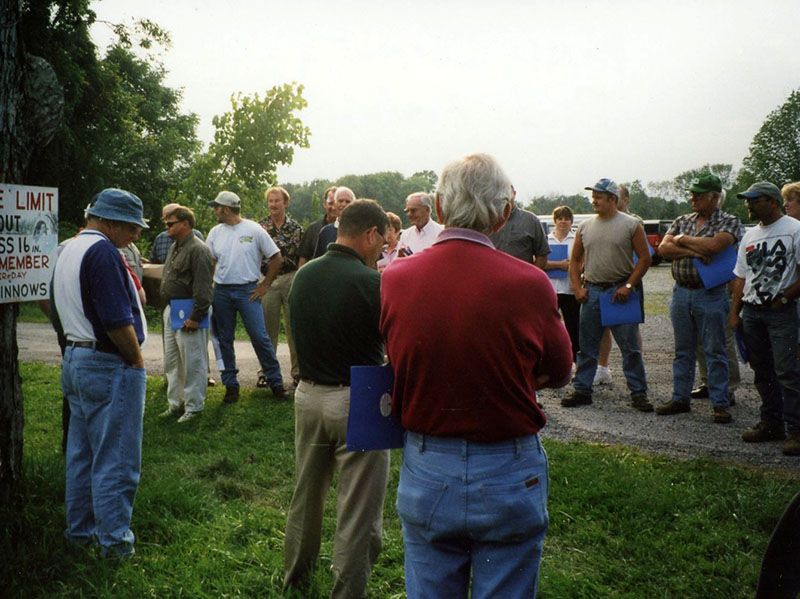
x,y
354,290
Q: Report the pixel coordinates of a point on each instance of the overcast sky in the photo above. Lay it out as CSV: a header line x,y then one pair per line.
x,y
561,93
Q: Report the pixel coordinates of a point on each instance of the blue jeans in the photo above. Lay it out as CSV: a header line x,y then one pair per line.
x,y
479,507
703,313
228,300
104,447
591,333
771,340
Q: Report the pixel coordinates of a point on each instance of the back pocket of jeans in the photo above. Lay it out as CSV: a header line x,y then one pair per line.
x,y
512,512
418,498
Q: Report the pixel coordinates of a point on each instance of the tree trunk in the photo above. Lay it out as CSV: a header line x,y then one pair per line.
x,y
11,171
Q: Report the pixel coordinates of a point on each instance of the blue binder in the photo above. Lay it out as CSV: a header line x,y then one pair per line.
x,y
719,270
371,424
629,312
180,310
558,252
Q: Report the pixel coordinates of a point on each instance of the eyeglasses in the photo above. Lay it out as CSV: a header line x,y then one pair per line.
x,y
169,224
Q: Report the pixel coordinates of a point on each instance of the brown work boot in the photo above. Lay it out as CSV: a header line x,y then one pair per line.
x,y
764,432
231,395
576,399
673,407
792,445
641,403
721,415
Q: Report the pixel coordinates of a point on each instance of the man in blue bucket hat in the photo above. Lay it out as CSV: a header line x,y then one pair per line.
x,y
103,374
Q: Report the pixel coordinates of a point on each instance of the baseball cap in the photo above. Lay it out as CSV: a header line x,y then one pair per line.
x,y
225,198
762,188
118,204
706,182
605,185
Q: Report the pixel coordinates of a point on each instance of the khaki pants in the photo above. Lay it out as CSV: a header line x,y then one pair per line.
x,y
321,414
185,366
277,298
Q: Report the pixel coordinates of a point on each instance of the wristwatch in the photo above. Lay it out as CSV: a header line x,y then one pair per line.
x,y
628,286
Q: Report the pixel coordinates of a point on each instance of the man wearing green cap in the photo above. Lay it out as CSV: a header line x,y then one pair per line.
x,y
697,312
765,294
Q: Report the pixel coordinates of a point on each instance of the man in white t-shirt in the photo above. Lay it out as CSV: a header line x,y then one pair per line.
x,y
423,231
765,294
238,245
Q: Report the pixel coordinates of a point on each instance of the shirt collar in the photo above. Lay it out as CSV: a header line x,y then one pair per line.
x,y
451,233
343,249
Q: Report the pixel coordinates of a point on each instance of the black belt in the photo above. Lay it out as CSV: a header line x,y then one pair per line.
x,y
605,285
107,348
313,382
690,285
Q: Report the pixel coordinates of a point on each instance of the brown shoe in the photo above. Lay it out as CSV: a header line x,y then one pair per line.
x,y
721,415
231,395
641,403
279,392
764,432
576,399
673,407
792,445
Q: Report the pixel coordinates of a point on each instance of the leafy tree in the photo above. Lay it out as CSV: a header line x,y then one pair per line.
x,y
775,150
544,205
675,189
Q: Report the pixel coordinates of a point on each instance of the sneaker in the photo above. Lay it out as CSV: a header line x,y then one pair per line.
x,y
231,395
602,376
700,393
262,383
792,445
673,407
170,413
211,381
764,432
279,392
187,416
721,415
641,403
576,399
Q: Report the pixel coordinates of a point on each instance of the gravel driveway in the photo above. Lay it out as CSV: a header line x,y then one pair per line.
x,y
608,420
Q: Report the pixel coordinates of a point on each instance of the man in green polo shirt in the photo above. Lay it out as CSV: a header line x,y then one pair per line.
x,y
331,335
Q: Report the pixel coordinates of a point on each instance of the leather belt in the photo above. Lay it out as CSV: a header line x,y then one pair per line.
x,y
96,345
313,382
605,285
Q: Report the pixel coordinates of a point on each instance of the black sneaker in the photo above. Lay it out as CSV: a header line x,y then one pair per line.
x,y
576,399
641,403
231,395
262,383
279,392
673,407
762,432
700,393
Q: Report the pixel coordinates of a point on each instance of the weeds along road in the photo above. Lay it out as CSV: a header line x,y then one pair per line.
x,y
608,420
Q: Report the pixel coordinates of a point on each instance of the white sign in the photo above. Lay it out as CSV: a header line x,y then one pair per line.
x,y
28,241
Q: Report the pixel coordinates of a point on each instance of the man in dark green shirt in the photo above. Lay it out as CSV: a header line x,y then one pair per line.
x,y
187,275
331,336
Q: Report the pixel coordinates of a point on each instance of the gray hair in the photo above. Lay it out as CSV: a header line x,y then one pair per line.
x,y
473,192
341,190
424,198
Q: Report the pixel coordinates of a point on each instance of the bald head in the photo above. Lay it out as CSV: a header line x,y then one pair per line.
x,y
167,210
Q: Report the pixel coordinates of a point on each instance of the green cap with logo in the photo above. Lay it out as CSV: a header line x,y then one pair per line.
x,y
706,182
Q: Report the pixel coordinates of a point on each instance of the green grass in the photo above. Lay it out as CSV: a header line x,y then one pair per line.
x,y
211,510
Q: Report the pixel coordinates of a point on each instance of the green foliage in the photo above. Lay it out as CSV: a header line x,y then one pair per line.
x,y
775,150
211,510
122,127
676,189
544,205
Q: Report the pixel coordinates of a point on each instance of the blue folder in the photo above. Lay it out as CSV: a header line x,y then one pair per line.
x,y
629,312
558,252
371,424
180,310
719,270
650,249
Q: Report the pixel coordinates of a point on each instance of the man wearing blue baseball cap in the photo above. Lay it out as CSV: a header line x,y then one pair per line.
x,y
603,250
103,374
765,293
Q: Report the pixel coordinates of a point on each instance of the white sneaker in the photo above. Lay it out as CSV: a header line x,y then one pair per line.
x,y
187,416
602,376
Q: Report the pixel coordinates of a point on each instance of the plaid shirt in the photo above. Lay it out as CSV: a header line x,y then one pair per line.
x,y
287,238
683,269
161,245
